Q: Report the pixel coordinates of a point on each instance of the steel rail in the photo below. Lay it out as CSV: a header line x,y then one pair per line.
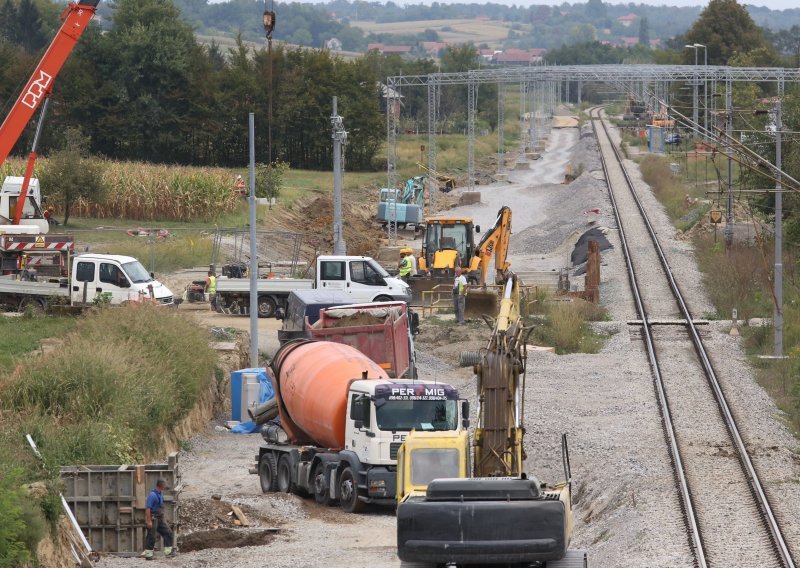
x,y
750,472
669,429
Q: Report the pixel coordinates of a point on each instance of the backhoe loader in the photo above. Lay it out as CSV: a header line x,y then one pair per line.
x,y
499,514
449,242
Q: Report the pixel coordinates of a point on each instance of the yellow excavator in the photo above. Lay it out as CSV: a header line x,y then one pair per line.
x,y
499,514
449,242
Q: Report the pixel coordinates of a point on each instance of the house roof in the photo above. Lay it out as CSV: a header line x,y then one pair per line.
x,y
397,49
630,40
627,18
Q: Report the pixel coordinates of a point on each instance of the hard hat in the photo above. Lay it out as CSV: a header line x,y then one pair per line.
x,y
406,251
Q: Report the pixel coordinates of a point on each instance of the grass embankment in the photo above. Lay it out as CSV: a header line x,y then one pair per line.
x,y
743,280
122,378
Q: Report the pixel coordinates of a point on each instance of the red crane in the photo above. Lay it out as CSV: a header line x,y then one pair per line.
x,y
76,19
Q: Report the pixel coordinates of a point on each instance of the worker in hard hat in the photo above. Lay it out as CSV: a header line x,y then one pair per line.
x,y
406,268
410,254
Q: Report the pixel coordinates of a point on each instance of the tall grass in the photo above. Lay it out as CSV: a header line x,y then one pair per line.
x,y
740,279
566,327
122,378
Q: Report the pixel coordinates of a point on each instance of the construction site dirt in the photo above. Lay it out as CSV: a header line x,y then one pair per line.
x,y
626,512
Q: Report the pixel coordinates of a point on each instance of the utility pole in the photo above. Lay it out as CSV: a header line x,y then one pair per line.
x,y
778,317
339,139
729,135
253,252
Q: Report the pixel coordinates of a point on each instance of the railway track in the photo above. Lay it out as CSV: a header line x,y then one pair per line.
x,y
727,513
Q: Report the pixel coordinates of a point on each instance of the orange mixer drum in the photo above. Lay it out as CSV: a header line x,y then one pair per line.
x,y
313,378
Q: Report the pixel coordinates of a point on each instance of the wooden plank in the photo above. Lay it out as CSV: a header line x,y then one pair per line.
x,y
241,516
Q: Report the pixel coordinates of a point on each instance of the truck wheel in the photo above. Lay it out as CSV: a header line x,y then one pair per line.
x,y
35,305
284,475
267,470
266,307
348,492
382,299
322,493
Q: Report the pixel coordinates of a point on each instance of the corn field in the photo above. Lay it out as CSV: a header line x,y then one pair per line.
x,y
149,192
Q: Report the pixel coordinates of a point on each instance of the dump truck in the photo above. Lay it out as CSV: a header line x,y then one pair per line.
x,y
383,331
112,278
352,278
342,421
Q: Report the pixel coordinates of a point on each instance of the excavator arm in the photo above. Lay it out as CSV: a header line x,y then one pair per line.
x,y
494,243
76,18
500,370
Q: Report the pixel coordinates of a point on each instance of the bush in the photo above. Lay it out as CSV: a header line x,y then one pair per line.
x,y
15,546
269,179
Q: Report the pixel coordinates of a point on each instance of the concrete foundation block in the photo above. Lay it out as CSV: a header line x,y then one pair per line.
x,y
469,198
522,166
533,155
501,177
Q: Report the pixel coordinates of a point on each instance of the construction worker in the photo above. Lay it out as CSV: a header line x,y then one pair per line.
x,y
210,288
459,295
410,253
154,520
405,265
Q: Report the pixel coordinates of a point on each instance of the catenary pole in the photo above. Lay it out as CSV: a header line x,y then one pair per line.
x,y
253,253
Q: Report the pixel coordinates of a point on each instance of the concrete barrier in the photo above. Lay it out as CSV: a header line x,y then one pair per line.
x,y
469,198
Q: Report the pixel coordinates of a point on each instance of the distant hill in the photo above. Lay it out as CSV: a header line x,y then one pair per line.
x,y
357,23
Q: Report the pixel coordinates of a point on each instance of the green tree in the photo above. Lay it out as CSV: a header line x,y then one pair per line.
x,y
725,27
29,26
8,21
644,32
596,10
70,174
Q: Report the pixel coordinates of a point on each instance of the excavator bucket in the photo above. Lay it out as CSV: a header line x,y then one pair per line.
x,y
480,302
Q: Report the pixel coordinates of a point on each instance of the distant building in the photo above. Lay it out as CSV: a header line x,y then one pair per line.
x,y
628,19
388,49
629,41
518,56
333,44
432,48
488,54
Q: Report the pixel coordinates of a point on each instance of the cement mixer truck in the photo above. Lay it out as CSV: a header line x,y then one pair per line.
x,y
342,421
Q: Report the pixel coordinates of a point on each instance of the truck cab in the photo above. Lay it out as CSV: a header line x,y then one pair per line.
x,y
118,278
381,415
359,279
32,214
449,242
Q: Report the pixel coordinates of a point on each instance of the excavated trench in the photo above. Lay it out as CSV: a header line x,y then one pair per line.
x,y
225,538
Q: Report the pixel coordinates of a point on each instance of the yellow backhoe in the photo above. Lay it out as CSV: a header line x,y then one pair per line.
x,y
499,514
449,242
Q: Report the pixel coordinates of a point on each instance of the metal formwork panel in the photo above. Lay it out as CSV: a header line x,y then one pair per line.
x,y
108,502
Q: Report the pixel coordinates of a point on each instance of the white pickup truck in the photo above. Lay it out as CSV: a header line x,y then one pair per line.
x,y
115,278
355,279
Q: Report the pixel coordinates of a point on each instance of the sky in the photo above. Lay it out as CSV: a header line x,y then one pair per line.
x,y
771,4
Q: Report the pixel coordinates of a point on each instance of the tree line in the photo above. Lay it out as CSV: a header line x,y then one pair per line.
x,y
145,89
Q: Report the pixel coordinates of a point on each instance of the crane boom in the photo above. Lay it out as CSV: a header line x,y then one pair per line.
x,y
76,18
